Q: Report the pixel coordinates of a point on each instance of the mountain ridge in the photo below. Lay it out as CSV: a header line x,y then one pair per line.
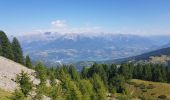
x,y
82,47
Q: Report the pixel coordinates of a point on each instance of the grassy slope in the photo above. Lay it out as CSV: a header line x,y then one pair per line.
x,y
4,95
151,94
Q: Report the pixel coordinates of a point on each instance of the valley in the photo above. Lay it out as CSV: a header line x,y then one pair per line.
x,y
56,49
85,50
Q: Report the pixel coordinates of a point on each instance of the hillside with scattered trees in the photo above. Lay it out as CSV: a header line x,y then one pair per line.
x,y
97,82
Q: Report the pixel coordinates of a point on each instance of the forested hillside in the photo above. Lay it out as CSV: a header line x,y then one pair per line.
x,y
12,50
96,82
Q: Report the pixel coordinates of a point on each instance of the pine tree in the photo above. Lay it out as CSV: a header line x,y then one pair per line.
x,y
41,73
56,93
125,71
74,74
17,51
164,73
5,46
86,89
118,82
84,72
139,71
168,74
25,83
39,92
73,91
157,74
101,71
28,62
113,71
147,74
0,50
99,87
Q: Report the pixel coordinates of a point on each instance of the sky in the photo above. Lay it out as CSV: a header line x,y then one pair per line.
x,y
139,17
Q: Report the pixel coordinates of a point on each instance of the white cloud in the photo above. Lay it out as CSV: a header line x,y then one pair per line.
x,y
59,23
62,27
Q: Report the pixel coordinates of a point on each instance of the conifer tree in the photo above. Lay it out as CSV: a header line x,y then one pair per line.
x,y
28,62
56,93
17,51
99,87
73,91
147,74
156,74
74,74
125,71
25,83
0,50
41,73
118,82
5,46
86,89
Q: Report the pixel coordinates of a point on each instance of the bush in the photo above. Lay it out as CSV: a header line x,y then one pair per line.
x,y
113,90
142,86
17,95
136,85
126,92
144,90
150,86
124,97
142,97
131,83
162,97
153,93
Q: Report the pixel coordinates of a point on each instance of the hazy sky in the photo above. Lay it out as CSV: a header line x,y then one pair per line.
x,y
141,17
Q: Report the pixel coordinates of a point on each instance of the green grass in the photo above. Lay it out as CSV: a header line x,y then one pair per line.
x,y
149,90
136,88
4,95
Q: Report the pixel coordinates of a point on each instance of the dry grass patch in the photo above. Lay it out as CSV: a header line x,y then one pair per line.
x,y
150,90
4,95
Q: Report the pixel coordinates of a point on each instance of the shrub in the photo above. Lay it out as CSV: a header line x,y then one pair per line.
x,y
142,97
150,86
124,97
17,95
142,86
144,90
162,97
153,93
113,90
131,83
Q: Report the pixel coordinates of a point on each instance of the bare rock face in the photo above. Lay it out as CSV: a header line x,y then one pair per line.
x,y
8,71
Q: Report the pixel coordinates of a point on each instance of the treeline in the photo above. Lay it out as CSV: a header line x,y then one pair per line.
x,y
12,50
66,83
151,72
122,73
98,82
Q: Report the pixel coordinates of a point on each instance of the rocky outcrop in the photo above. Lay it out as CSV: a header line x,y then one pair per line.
x,y
8,71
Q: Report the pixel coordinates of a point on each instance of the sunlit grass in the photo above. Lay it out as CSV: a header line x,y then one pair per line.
x,y
151,94
4,95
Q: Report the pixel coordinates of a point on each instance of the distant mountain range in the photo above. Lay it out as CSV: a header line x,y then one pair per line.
x,y
142,57
146,56
56,48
